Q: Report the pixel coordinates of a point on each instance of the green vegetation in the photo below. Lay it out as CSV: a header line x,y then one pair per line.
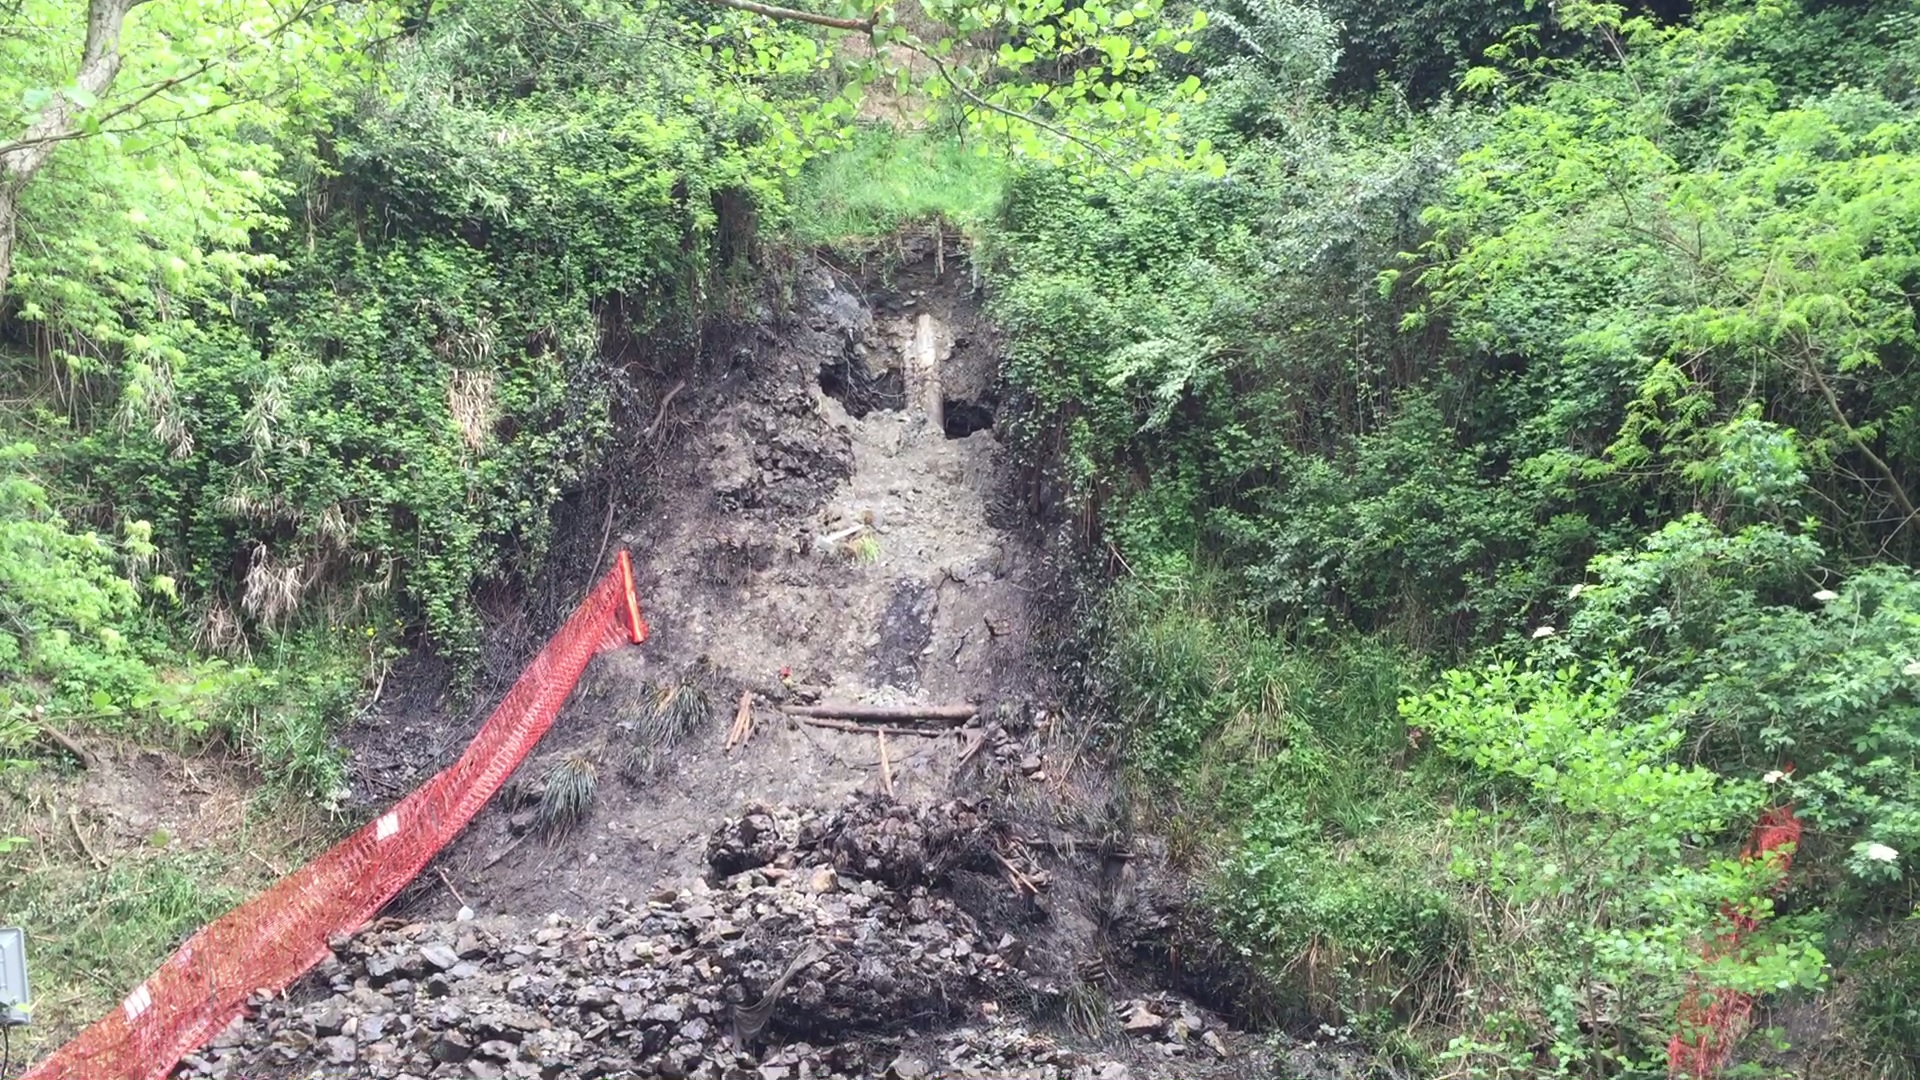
x,y
883,181
1515,492
311,327
1504,414
95,929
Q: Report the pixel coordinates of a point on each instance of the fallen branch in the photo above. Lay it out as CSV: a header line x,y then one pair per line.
x,y
1019,879
67,743
866,729
947,713
973,747
1076,845
831,539
505,851
742,729
448,882
73,819
661,415
886,767
773,12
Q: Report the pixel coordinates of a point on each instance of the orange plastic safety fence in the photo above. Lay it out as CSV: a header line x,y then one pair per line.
x,y
1711,1021
272,939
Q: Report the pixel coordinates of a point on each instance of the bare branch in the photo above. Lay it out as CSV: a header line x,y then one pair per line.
x,y
1896,490
794,15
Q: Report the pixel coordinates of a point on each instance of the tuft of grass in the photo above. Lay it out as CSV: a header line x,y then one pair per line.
x,y
570,788
883,180
1089,1010
676,710
667,715
862,549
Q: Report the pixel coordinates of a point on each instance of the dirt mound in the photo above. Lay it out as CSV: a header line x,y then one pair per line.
x,y
896,978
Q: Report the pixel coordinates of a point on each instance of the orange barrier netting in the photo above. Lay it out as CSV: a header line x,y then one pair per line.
x,y
272,939
1711,1021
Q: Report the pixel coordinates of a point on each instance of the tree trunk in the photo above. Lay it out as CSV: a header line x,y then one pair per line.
x,y
59,120
9,207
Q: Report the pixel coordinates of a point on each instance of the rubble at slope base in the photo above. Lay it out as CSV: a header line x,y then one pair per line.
x,y
909,984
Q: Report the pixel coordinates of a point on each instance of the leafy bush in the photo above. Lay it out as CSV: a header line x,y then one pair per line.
x,y
73,637
1820,688
1356,932
1587,853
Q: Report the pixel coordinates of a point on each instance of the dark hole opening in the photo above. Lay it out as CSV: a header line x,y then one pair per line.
x,y
847,381
963,418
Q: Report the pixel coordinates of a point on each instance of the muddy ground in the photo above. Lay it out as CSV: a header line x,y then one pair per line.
x,y
822,510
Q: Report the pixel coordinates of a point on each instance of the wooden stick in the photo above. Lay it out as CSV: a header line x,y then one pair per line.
x,y
833,538
68,744
886,767
1019,878
73,819
979,740
950,713
448,882
867,729
742,722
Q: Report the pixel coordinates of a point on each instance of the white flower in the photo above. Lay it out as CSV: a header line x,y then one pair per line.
x,y
1912,668
1825,595
1574,593
1545,631
1881,853
1773,777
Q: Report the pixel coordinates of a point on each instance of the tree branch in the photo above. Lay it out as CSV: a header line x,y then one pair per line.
x,y
1899,493
75,133
31,140
99,63
982,103
794,15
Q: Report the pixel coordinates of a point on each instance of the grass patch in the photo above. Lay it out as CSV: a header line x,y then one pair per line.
x,y
884,180
93,933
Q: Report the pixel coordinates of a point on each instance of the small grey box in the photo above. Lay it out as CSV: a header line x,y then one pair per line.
x,y
14,995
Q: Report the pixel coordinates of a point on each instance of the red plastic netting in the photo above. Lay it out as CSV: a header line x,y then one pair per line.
x,y
1712,1020
272,939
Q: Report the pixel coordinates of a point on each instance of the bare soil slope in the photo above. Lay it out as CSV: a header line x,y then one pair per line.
x,y
827,520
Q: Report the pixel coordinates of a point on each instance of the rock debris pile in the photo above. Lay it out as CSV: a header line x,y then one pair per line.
x,y
907,985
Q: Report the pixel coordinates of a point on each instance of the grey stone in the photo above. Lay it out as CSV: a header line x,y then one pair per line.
x,y
330,1020
339,1050
497,1050
454,1046
908,1067
440,956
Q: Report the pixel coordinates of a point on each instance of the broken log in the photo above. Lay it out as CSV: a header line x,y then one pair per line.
x,y
867,729
952,714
